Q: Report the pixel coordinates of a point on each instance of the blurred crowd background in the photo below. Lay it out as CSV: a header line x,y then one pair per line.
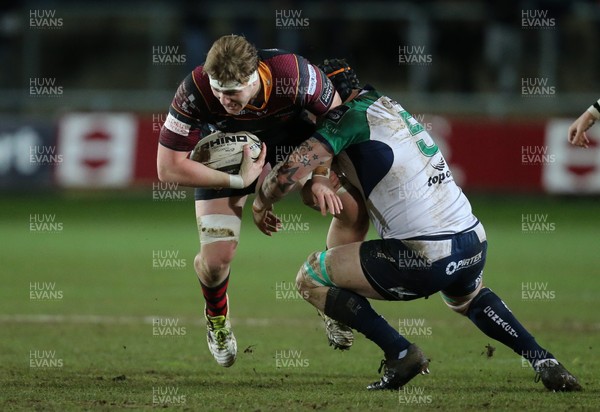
x,y
102,54
492,60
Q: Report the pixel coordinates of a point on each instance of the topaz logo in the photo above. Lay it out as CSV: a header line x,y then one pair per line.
x,y
440,178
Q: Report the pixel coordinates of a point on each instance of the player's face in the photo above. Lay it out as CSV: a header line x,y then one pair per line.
x,y
233,101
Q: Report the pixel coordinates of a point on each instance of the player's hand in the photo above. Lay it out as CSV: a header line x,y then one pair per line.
x,y
250,169
324,195
264,219
576,134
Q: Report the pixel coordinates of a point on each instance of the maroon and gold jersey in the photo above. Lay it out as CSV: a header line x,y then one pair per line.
x,y
290,84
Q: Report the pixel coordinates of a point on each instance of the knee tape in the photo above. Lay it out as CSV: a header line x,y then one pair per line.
x,y
461,304
218,228
315,270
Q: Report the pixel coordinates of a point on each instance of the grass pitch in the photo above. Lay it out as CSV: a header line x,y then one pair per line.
x,y
100,310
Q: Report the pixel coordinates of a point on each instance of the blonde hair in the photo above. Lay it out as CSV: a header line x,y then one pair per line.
x,y
231,58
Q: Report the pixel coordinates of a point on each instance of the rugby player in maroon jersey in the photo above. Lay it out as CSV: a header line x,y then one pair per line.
x,y
239,88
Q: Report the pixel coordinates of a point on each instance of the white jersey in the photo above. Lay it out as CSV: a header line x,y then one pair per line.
x,y
405,180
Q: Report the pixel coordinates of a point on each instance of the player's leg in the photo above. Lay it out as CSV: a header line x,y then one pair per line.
x,y
350,226
334,282
492,316
219,222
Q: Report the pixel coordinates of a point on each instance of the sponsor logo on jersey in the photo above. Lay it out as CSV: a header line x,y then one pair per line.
x,y
443,176
312,80
336,114
441,165
327,93
177,126
453,267
439,178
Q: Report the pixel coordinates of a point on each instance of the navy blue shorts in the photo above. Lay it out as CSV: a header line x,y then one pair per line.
x,y
280,143
399,272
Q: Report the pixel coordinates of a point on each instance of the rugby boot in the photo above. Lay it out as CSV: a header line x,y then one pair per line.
x,y
555,377
220,338
339,335
397,372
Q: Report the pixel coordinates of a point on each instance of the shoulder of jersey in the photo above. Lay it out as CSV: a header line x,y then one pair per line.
x,y
265,54
281,63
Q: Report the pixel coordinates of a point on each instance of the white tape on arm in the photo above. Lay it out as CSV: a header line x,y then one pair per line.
x,y
236,182
595,110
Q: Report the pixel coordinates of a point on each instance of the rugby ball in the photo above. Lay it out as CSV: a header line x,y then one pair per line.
x,y
224,151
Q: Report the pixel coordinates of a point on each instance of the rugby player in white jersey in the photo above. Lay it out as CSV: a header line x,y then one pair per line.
x,y
430,240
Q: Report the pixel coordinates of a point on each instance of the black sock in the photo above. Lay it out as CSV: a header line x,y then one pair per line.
x,y
492,317
355,311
